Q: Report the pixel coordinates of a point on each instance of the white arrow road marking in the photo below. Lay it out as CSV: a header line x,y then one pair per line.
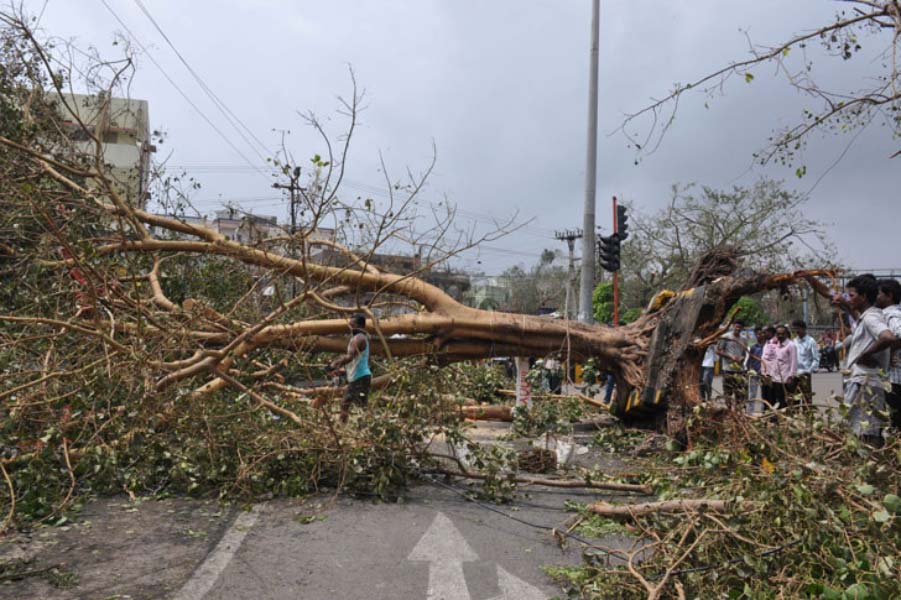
x,y
514,588
445,549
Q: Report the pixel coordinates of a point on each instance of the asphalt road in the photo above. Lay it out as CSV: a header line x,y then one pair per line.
x,y
432,546
826,386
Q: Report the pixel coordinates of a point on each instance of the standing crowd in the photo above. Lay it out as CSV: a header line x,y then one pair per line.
x,y
776,371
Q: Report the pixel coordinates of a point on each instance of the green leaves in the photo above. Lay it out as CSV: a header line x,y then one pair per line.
x,y
317,161
881,516
892,504
865,489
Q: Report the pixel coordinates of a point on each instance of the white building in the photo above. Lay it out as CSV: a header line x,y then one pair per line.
x,y
123,127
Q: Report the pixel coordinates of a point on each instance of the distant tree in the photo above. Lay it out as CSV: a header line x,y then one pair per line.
x,y
544,285
630,315
602,302
765,221
752,313
488,304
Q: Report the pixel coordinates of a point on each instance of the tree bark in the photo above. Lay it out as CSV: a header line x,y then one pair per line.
x,y
630,511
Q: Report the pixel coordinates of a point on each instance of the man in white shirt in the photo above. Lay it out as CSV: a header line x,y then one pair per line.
x,y
868,359
808,361
554,374
889,300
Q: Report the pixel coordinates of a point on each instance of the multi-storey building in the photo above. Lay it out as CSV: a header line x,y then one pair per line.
x,y
123,127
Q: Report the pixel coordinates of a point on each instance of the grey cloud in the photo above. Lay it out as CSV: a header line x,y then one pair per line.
x,y
501,87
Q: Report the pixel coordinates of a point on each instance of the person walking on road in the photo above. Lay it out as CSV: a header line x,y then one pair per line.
x,y
356,359
889,300
808,361
731,351
779,364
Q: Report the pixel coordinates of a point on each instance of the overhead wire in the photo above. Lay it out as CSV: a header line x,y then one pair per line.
x,y
480,217
187,99
229,115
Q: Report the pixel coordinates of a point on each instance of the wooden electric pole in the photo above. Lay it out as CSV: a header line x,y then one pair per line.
x,y
293,187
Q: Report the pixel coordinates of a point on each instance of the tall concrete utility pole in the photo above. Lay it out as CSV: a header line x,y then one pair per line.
x,y
586,286
570,237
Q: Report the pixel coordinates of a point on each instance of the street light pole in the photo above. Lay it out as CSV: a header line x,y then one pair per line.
x,y
586,286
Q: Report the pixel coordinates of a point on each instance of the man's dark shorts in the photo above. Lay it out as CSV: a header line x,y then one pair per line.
x,y
357,392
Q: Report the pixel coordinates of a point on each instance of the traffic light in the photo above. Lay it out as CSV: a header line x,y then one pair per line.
x,y
608,252
622,222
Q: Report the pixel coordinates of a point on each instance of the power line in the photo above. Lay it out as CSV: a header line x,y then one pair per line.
x,y
377,191
480,248
230,116
180,91
487,218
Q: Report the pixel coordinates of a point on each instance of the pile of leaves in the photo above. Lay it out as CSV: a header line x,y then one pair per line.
x,y
101,441
812,512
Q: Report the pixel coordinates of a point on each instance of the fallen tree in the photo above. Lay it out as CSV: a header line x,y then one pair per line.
x,y
120,363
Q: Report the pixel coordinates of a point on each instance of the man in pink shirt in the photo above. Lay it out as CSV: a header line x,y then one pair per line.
x,y
780,365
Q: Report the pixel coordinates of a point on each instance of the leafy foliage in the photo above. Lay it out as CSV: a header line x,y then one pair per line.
x,y
751,312
223,446
547,417
602,302
820,516
480,381
630,315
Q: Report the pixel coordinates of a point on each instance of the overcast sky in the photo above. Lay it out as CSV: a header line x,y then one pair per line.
x,y
500,86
